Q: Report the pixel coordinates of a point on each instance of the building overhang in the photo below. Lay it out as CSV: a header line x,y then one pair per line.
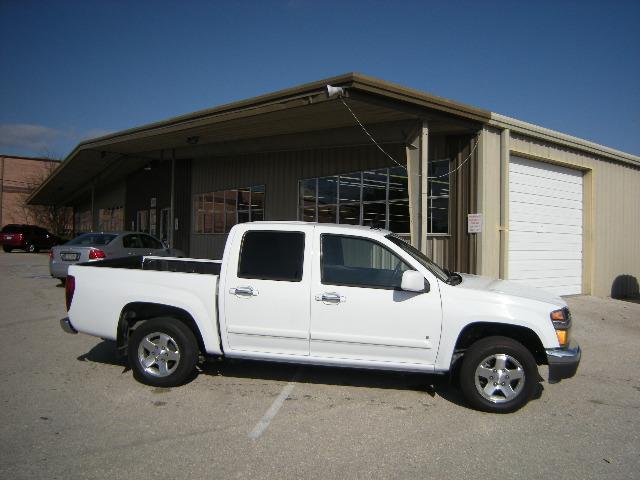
x,y
272,121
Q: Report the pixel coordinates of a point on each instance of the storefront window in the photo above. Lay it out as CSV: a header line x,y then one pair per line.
x,y
438,196
217,212
374,197
111,219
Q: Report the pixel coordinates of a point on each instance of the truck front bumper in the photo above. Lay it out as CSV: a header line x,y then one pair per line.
x,y
563,362
65,324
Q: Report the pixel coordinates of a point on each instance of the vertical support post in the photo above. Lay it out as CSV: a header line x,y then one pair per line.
x,y
489,193
412,153
93,210
424,186
505,148
171,225
480,203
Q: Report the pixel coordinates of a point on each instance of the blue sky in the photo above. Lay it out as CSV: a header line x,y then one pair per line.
x,y
76,69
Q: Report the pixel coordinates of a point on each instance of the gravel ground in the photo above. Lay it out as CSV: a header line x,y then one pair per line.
x,y
71,410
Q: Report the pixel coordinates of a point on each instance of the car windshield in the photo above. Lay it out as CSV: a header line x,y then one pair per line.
x,y
92,239
425,261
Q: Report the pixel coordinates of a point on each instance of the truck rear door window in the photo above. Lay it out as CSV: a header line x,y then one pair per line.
x,y
271,255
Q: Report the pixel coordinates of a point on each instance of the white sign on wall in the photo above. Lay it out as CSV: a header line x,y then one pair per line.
x,y
474,223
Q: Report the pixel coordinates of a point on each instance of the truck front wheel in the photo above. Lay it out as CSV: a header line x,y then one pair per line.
x,y
498,375
163,352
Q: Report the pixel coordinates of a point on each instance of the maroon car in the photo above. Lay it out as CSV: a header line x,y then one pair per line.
x,y
29,238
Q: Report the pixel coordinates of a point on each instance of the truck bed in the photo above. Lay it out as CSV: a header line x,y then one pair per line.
x,y
104,289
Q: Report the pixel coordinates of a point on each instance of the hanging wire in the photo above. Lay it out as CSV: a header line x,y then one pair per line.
x,y
475,146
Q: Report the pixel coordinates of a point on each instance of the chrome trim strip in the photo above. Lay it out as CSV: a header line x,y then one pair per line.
x,y
564,352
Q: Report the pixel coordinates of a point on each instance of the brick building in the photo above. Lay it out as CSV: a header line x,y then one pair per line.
x,y
19,177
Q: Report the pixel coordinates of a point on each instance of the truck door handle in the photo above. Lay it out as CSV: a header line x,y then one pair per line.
x,y
244,291
331,297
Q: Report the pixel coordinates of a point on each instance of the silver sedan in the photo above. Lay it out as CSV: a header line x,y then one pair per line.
x,y
98,246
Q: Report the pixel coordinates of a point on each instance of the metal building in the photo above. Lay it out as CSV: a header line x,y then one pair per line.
x,y
477,191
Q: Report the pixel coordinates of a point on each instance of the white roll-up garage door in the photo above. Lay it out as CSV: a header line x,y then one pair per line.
x,y
545,226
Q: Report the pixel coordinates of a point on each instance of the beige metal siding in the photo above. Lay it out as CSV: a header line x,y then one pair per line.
x,y
279,172
612,215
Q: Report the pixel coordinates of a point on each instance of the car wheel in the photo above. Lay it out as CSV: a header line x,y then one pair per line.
x,y
31,248
6,249
163,352
498,375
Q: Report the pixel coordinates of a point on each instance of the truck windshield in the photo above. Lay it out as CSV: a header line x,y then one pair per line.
x,y
425,261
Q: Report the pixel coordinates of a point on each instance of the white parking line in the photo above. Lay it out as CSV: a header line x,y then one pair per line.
x,y
264,422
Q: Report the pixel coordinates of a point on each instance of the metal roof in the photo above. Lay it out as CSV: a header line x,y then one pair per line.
x,y
296,110
304,108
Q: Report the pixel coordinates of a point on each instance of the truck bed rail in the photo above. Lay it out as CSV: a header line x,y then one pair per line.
x,y
161,264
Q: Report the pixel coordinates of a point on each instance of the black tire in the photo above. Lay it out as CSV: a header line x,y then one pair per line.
x,y
172,364
7,249
31,248
490,386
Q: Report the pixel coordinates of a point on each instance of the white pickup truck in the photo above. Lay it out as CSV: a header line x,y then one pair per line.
x,y
325,294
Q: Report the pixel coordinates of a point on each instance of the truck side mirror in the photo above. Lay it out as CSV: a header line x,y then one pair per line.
x,y
413,281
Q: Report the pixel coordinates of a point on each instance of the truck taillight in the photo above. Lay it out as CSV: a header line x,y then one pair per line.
x,y
96,254
70,288
50,253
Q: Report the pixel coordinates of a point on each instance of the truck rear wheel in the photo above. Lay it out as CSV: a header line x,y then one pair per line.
x,y
163,352
498,375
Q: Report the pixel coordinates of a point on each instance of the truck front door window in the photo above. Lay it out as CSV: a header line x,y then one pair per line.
x,y
360,262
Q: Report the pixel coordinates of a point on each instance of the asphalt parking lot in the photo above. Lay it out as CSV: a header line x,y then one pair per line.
x,y
71,410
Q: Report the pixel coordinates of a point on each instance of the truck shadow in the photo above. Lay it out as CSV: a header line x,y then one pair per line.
x,y
104,352
432,385
351,377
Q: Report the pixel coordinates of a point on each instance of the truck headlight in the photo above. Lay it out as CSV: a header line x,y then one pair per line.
x,y
561,320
